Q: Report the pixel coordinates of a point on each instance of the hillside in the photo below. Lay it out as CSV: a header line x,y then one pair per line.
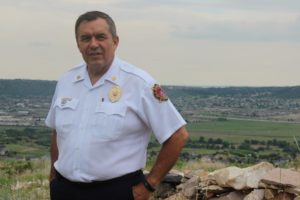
x,y
24,88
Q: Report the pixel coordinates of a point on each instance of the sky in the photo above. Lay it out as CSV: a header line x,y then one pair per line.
x,y
179,42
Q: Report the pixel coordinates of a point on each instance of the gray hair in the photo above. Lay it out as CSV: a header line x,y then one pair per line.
x,y
93,15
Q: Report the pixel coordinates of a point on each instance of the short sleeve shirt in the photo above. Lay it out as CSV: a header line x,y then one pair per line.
x,y
103,129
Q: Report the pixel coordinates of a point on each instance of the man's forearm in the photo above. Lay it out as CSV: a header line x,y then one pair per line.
x,y
53,154
167,156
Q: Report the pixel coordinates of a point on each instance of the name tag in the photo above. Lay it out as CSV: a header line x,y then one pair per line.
x,y
66,102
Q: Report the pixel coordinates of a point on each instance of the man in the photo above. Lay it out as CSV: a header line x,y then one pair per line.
x,y
102,114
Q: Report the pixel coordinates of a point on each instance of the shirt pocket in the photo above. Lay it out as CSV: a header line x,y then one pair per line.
x,y
109,121
65,109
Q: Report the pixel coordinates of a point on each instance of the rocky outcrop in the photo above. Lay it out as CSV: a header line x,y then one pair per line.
x,y
238,178
259,182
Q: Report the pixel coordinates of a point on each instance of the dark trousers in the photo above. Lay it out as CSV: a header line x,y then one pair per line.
x,y
115,189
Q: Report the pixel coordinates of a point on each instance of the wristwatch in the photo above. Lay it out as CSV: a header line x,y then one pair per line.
x,y
148,186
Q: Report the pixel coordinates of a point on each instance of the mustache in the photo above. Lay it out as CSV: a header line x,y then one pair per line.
x,y
94,51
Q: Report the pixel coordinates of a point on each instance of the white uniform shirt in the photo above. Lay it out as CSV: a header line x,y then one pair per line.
x,y
99,139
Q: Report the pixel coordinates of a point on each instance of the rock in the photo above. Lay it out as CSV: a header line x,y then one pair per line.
x,y
270,194
236,195
282,177
284,196
212,190
223,176
293,190
164,190
179,187
189,188
257,194
254,173
173,177
262,185
297,198
238,178
176,197
258,182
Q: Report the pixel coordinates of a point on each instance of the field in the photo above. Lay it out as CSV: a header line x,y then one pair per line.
x,y
239,130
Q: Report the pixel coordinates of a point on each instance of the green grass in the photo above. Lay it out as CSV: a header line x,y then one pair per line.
x,y
239,130
24,180
28,149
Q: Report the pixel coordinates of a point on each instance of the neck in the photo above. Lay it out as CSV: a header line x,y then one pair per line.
x,y
96,72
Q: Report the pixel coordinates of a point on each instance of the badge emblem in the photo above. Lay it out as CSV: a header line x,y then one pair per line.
x,y
64,100
115,94
159,93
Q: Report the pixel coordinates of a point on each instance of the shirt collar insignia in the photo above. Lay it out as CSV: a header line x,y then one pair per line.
x,y
79,76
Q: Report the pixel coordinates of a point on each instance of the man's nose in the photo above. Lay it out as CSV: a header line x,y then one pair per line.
x,y
93,43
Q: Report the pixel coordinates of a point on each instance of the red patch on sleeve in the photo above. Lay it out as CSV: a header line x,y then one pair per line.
x,y
159,93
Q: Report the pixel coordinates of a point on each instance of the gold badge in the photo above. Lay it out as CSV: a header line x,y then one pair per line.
x,y
159,93
115,94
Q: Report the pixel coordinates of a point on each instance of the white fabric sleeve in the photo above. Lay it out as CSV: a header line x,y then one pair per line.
x,y
162,117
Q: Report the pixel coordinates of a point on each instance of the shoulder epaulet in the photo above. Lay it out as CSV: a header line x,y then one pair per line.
x,y
70,72
135,71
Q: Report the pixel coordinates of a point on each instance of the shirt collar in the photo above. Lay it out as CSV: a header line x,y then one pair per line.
x,y
112,75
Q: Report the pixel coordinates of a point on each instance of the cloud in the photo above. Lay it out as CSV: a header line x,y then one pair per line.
x,y
39,44
241,26
186,41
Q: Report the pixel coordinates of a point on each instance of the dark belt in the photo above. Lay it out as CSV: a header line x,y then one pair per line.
x,y
134,177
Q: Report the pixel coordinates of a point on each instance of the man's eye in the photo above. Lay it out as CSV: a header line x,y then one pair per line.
x,y
100,37
85,38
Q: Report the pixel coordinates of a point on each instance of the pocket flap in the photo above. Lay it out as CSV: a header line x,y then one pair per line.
x,y
111,108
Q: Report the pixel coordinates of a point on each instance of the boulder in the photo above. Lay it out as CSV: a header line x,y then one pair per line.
x,y
270,194
173,177
212,190
282,177
238,178
176,197
284,196
236,195
293,190
164,190
190,187
223,176
256,194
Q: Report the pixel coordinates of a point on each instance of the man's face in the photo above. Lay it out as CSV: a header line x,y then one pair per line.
x,y
96,43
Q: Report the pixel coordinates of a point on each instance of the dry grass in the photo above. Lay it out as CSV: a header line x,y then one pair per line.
x,y
28,184
205,164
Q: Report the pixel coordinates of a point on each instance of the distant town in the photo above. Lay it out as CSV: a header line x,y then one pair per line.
x,y
26,102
